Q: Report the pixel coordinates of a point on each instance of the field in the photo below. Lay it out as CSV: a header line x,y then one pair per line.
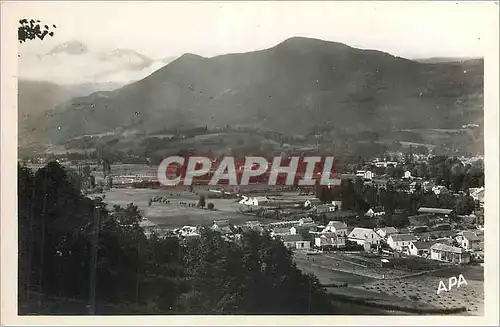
x,y
408,288
175,214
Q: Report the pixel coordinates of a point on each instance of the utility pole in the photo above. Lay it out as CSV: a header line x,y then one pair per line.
x,y
93,259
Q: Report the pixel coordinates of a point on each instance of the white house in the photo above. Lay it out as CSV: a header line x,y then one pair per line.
x,y
420,249
329,240
336,227
368,175
364,236
443,252
360,173
400,242
280,231
384,232
254,201
374,212
407,174
468,241
311,227
307,220
440,189
295,242
309,203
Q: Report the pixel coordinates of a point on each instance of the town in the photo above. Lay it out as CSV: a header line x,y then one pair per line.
x,y
368,230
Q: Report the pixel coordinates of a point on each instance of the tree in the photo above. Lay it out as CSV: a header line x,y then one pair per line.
x,y
32,29
210,206
201,201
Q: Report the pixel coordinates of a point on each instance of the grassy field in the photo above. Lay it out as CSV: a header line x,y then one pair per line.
x,y
174,214
424,289
365,283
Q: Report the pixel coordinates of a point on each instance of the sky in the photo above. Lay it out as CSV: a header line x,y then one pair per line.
x,y
166,29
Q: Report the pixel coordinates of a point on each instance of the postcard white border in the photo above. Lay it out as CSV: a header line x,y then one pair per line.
x,y
9,213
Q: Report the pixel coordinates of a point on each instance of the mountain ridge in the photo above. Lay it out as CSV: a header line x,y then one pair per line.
x,y
295,86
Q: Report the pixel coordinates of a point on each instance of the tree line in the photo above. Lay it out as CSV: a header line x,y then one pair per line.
x,y
137,274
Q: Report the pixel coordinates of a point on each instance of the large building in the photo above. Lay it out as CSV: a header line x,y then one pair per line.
x,y
451,254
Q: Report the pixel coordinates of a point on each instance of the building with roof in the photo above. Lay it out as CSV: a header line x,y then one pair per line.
x,y
336,227
305,221
384,232
280,231
400,242
451,254
435,211
468,240
295,242
375,212
420,249
324,208
440,189
309,203
329,240
364,236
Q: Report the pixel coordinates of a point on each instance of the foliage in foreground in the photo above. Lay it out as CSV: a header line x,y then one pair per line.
x,y
253,275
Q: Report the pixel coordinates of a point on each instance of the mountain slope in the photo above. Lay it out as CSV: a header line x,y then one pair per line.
x,y
294,87
36,101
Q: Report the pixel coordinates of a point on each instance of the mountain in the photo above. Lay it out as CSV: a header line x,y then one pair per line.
x,y
37,99
295,87
436,60
73,62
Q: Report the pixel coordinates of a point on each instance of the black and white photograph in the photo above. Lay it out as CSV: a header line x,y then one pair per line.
x,y
251,159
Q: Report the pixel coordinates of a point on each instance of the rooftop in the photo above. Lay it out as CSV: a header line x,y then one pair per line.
x,y
337,224
470,236
447,248
403,237
292,238
362,233
435,210
423,245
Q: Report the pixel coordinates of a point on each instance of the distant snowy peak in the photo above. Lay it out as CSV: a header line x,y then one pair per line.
x,y
73,62
71,48
133,57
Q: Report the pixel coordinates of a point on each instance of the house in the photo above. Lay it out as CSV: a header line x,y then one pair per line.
x,y
254,201
420,249
364,236
419,229
407,175
442,234
384,232
380,183
438,190
223,226
447,253
280,231
336,227
302,229
368,175
326,240
307,220
220,223
435,211
324,208
441,227
295,242
375,212
400,242
478,195
427,186
468,240
443,240
309,203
